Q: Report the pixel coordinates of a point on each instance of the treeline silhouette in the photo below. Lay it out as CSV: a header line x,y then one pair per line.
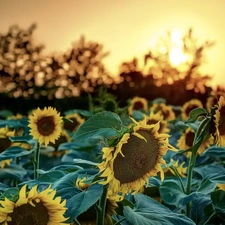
x,y
30,79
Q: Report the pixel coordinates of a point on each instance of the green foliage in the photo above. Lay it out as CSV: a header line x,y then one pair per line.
x,y
147,211
193,197
104,127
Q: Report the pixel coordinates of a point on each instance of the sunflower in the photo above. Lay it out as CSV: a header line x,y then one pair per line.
x,y
186,141
137,103
154,118
136,157
76,121
46,125
165,110
220,122
188,106
5,143
33,208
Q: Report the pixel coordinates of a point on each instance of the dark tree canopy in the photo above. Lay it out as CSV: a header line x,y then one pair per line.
x,y
26,71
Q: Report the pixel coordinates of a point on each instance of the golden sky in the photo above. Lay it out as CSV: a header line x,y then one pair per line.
x,y
126,28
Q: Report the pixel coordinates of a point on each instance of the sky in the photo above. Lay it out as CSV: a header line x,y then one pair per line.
x,y
126,28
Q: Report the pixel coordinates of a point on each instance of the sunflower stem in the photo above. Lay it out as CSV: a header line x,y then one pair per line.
x,y
118,222
189,180
211,216
102,206
179,177
196,144
36,161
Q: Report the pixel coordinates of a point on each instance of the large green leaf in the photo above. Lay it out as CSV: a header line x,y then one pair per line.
x,y
14,123
213,172
13,172
215,152
10,193
197,209
104,125
195,113
14,152
3,187
218,200
45,179
24,139
147,211
206,186
172,194
77,201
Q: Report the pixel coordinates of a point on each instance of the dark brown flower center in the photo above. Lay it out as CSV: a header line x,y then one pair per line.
x,y
138,105
190,138
221,125
189,108
71,126
4,144
46,125
27,214
140,157
151,121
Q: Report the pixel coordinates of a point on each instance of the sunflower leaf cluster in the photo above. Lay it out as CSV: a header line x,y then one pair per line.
x,y
149,165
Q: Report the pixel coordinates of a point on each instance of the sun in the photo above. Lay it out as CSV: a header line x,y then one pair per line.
x,y
177,55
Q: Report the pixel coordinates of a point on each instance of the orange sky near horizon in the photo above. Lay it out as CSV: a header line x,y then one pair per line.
x,y
126,28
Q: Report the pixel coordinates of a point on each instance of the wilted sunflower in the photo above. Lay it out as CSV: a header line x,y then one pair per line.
x,y
136,157
188,106
33,208
76,121
186,141
154,118
137,103
46,125
220,122
165,110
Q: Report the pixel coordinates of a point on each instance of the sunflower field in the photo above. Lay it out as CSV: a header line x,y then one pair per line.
x,y
149,163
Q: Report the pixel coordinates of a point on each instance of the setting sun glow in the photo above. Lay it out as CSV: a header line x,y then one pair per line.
x,y
177,56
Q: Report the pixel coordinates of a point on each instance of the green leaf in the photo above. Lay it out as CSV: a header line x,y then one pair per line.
x,y
5,113
3,187
137,115
12,172
172,194
195,113
24,139
99,127
147,211
198,207
215,152
213,172
45,179
218,200
77,200
10,193
83,161
206,186
14,152
14,123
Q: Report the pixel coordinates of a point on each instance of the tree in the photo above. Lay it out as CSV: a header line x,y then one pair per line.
x,y
26,71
